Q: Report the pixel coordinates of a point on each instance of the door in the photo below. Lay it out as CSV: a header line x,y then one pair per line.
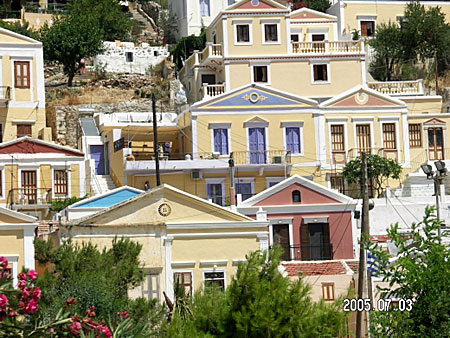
x,y
257,145
209,79
29,186
363,138
435,144
106,158
280,235
97,154
319,241
214,192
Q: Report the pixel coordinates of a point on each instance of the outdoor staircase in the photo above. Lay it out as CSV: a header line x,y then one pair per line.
x,y
102,184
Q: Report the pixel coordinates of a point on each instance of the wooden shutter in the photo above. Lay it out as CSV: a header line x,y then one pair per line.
x,y
363,28
304,242
389,141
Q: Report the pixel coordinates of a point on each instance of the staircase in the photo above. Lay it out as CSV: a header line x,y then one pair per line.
x,y
102,184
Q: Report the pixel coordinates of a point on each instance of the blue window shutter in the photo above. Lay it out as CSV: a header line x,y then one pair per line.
x,y
221,141
293,139
217,140
224,149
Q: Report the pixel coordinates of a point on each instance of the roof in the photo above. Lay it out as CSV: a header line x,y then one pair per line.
x,y
19,36
108,199
321,268
88,126
19,215
44,144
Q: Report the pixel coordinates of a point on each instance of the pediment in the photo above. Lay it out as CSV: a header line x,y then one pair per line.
x,y
434,122
28,145
8,216
310,15
7,36
257,5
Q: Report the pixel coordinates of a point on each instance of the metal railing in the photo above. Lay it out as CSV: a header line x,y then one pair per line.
x,y
308,252
261,157
398,87
328,47
95,182
29,196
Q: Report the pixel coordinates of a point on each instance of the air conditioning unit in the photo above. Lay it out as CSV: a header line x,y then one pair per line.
x,y
196,175
277,159
215,155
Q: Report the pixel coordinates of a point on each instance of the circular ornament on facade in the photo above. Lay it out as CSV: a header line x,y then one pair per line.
x,y
254,97
361,98
164,209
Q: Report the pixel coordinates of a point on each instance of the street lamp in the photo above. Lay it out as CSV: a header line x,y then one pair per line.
x,y
437,178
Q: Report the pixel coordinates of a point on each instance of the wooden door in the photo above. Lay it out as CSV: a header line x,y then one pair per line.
x,y
29,186
435,144
363,138
280,235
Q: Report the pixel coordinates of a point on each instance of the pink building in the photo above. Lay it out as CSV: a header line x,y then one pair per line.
x,y
310,221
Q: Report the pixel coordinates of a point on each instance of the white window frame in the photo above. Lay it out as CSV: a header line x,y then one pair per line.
x,y
364,120
227,126
184,270
215,270
263,64
215,181
273,179
338,122
69,186
384,120
288,221
263,32
367,18
250,180
200,10
313,63
150,292
250,32
14,261
298,125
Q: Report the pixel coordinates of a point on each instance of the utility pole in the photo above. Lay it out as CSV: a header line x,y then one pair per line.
x,y
364,232
155,141
436,70
437,193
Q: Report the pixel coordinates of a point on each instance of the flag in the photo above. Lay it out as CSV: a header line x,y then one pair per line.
x,y
372,264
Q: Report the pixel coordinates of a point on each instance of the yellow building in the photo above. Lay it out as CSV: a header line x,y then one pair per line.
x,y
17,240
22,89
34,172
184,237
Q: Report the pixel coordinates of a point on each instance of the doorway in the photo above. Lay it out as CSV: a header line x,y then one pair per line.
x,y
280,235
435,144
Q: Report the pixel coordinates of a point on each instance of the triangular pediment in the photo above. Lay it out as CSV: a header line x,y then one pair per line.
x,y
362,97
311,193
8,216
308,14
255,97
256,5
28,145
160,206
434,122
7,36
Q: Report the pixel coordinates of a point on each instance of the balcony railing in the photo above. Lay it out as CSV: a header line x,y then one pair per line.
x,y
353,153
328,47
5,94
29,196
398,87
211,90
308,252
261,157
211,50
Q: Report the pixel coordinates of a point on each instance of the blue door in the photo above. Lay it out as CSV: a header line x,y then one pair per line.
x,y
257,144
97,154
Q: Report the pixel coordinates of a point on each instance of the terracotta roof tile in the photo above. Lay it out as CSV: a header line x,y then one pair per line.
x,y
354,265
379,238
314,269
44,227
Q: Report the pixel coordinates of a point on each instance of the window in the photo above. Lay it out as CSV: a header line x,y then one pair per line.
x,y
244,189
328,291
293,139
363,138
296,196
23,130
208,79
260,74
389,141
129,56
150,286
415,135
337,137
320,73
243,33
184,279
230,2
21,74
221,141
318,37
204,8
295,38
214,193
367,28
215,278
271,33
60,182
338,183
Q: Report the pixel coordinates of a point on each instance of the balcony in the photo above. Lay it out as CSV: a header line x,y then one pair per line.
x,y
279,157
5,94
211,56
210,90
353,153
211,51
22,197
309,252
398,87
328,47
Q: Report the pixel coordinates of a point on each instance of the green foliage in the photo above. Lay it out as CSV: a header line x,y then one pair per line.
x,y
61,204
18,27
260,302
355,35
70,39
185,47
167,22
378,168
317,5
420,273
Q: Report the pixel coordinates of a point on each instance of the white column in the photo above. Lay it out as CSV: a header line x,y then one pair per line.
x,y
263,241
405,132
28,248
194,136
169,274
319,126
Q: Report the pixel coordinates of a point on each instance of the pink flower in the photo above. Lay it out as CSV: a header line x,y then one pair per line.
x,y
22,284
3,301
32,274
22,276
31,307
36,294
3,262
52,330
104,329
75,328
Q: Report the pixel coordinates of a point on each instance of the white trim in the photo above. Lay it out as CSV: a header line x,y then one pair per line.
x,y
363,72
18,215
189,264
214,262
219,235
225,42
250,32
263,31
263,241
220,181
260,64
28,248
406,149
313,63
298,125
288,35
14,261
169,272
215,225
273,179
315,219
227,77
305,208
216,270
28,59
282,221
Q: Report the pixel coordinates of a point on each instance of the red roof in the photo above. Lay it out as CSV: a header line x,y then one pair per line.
x,y
379,238
315,269
354,265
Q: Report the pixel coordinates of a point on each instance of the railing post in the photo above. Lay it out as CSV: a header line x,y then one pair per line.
x,y
196,57
327,46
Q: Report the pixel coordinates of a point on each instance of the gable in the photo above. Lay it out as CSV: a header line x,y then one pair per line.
x,y
308,196
256,98
33,147
362,98
257,5
8,216
108,200
434,122
306,14
7,36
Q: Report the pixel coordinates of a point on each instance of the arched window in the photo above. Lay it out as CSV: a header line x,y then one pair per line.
x,y
296,196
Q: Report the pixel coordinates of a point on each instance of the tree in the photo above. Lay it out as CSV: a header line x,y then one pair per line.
x,y
167,22
185,47
260,302
20,28
388,51
379,169
70,39
317,5
420,273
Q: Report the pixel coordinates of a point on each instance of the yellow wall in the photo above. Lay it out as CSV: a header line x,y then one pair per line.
x,y
11,243
419,105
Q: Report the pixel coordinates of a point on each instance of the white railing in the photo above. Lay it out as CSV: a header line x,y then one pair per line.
x,y
398,87
211,50
212,90
328,47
